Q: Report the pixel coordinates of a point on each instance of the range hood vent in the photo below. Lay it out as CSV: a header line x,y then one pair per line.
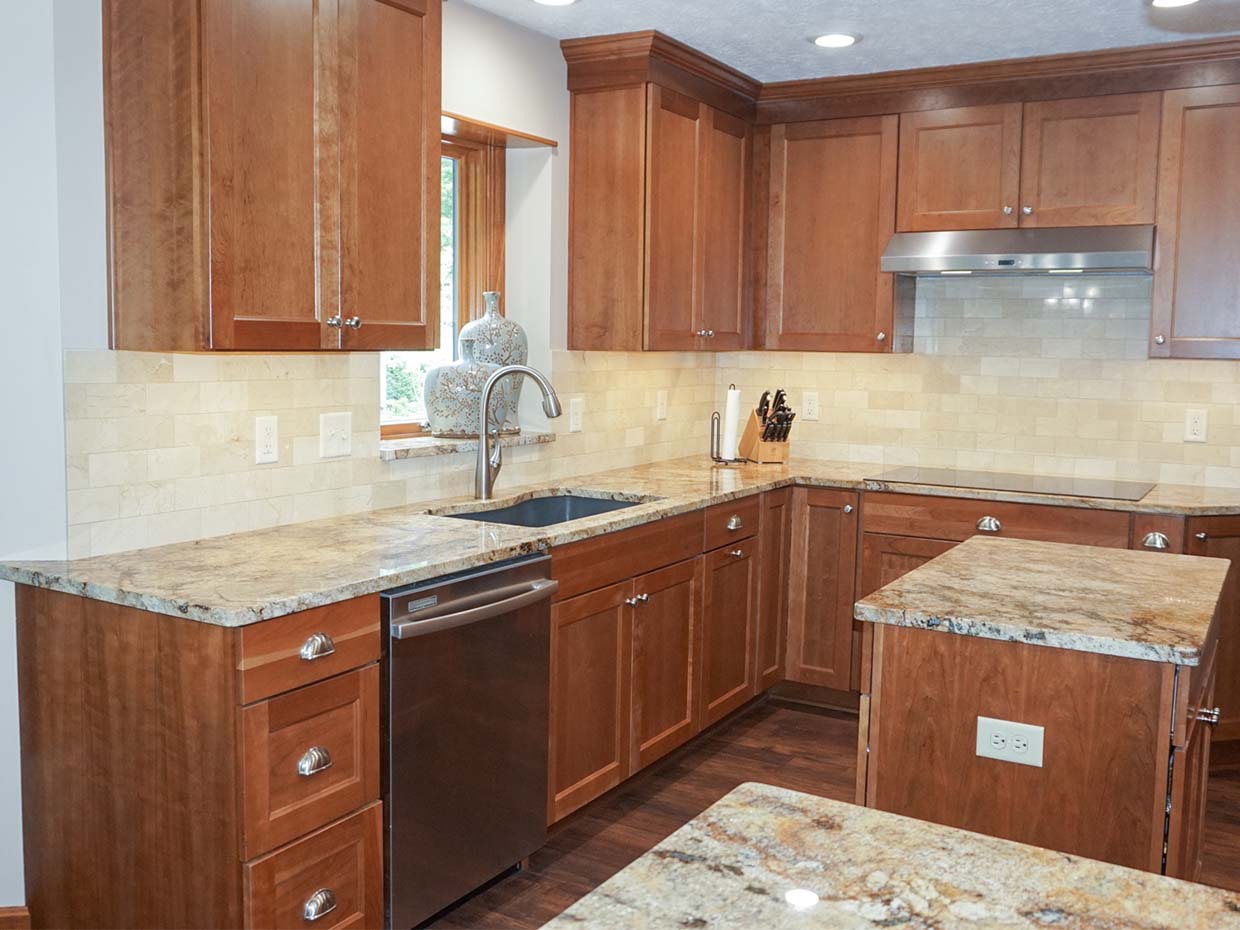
x,y
1067,250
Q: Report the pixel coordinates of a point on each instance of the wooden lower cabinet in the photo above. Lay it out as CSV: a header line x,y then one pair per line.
x,y
824,559
775,541
728,628
1219,537
885,558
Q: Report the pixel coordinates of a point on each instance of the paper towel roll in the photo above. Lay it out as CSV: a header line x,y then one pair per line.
x,y
731,416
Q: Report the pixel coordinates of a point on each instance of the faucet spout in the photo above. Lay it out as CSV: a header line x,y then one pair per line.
x,y
491,460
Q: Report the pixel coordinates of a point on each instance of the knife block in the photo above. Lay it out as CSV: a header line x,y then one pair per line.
x,y
753,448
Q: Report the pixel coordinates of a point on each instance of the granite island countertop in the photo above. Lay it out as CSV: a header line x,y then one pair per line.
x,y
1120,602
248,577
765,857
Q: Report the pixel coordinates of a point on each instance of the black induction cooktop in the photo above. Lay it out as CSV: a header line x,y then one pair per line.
x,y
1103,488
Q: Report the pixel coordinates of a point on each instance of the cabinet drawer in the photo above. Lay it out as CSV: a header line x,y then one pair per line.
x,y
604,560
279,655
958,519
308,757
341,864
735,520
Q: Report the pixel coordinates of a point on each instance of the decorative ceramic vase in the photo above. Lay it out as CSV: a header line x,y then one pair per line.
x,y
500,341
454,394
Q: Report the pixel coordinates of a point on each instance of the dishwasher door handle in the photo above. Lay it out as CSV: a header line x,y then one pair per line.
x,y
537,591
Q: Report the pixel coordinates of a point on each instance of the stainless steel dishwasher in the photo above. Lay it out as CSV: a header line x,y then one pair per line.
x,y
465,777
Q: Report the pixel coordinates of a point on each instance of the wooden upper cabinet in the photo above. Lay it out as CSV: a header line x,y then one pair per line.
x,y
1091,161
960,168
727,158
389,185
673,223
832,210
273,173
1196,300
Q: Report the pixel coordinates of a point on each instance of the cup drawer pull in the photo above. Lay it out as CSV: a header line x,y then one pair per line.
x,y
735,522
1156,541
316,647
989,525
315,760
321,902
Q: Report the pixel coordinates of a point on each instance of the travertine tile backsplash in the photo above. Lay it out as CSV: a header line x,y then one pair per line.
x,y
160,448
1046,374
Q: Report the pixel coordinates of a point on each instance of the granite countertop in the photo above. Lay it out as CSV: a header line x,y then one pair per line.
x,y
771,858
248,577
1137,604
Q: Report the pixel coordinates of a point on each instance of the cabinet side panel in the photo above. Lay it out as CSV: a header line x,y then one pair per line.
x,y
607,207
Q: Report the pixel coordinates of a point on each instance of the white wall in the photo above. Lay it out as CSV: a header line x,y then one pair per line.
x,y
32,481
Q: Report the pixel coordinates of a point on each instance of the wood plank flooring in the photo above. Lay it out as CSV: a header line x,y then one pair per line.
x,y
788,745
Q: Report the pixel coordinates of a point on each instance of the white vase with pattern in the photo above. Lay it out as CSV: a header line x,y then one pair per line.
x,y
499,341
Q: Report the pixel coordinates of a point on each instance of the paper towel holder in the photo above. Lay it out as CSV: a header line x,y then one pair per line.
x,y
716,441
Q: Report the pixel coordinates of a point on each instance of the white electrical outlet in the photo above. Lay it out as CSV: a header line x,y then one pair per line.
x,y
809,405
335,435
576,410
1008,741
660,405
1196,425
266,440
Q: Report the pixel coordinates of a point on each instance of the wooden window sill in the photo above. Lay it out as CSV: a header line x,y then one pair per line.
x,y
427,446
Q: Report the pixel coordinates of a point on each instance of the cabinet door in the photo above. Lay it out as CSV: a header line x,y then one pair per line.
x,y
775,569
886,558
1190,771
672,220
591,639
832,210
960,168
824,560
1219,538
1196,301
389,197
1091,161
728,627
723,310
666,657
263,145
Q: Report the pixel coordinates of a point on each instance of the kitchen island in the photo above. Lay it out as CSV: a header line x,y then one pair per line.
x,y
772,858
1052,694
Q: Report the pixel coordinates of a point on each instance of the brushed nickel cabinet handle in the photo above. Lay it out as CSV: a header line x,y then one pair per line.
x,y
1211,717
1027,210
642,598
321,902
335,322
737,553
989,524
632,601
735,522
848,508
1202,536
1159,339
881,337
316,759
353,322
1007,209
316,647
1156,541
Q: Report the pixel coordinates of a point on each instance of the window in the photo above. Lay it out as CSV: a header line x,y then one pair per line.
x,y
471,230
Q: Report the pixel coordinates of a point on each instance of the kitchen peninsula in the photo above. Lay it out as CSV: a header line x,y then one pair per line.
x,y
1015,687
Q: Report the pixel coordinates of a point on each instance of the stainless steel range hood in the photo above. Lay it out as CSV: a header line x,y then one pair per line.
x,y
1067,250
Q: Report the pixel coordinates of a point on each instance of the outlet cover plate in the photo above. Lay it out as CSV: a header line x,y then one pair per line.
x,y
1196,425
335,435
266,440
576,410
809,405
1009,741
660,405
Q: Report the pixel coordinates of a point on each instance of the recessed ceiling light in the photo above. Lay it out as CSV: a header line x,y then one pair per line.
x,y
555,2
835,40
1171,3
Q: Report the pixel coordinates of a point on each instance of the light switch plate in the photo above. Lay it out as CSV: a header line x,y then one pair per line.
x,y
660,405
576,410
1196,425
335,435
266,440
1009,741
809,405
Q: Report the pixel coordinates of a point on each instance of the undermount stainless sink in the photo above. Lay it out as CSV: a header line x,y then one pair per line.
x,y
545,511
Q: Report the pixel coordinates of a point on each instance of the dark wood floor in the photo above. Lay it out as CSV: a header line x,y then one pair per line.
x,y
780,744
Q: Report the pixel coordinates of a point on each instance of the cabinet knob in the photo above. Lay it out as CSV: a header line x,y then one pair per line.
x,y
989,524
848,508
1156,541
881,337
335,322
737,553
1007,209
1210,716
1027,210
632,601
735,522
1159,339
1202,536
321,902
316,759
642,598
353,322
316,647
706,333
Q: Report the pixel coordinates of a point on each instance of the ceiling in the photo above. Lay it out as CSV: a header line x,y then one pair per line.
x,y
771,39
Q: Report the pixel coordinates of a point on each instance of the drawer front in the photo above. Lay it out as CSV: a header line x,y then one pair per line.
x,y
308,757
958,519
339,870
730,522
605,560
1157,532
283,654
